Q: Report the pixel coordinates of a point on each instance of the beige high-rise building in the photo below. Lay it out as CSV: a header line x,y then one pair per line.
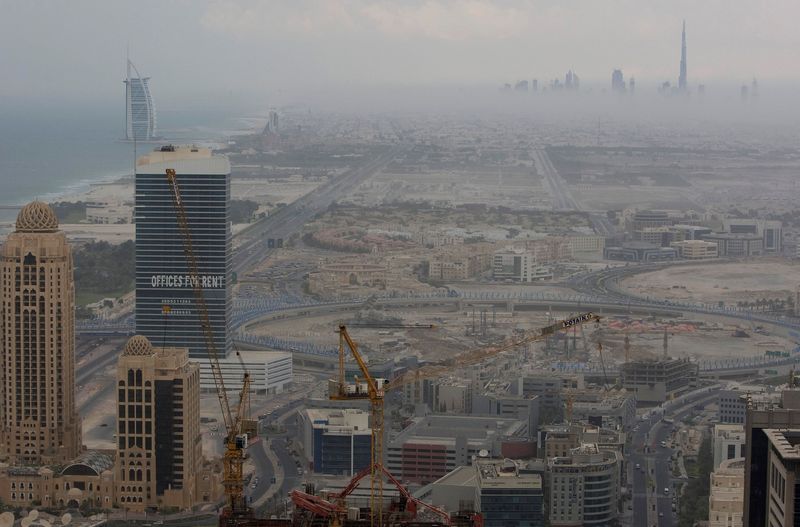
x,y
38,421
159,448
726,496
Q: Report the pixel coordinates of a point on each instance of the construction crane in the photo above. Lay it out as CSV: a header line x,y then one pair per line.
x,y
568,405
371,389
237,423
478,355
603,365
374,389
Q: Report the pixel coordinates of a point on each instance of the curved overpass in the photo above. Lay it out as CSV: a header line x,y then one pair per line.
x,y
521,302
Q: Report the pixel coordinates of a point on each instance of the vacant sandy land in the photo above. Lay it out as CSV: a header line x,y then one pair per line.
x,y
726,282
613,197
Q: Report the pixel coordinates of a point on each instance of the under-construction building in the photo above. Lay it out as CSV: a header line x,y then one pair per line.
x,y
655,381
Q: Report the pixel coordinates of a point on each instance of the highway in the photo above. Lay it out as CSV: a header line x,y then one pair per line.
x,y
555,184
267,493
652,506
603,284
289,220
93,355
562,197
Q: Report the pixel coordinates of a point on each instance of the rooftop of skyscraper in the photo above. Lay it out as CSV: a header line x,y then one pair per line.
x,y
785,442
185,159
37,216
168,153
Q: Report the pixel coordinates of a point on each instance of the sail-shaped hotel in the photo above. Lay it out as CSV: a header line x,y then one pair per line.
x,y
140,112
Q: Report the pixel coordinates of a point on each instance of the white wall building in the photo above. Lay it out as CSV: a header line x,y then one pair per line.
x,y
771,231
270,371
587,244
518,265
696,249
729,440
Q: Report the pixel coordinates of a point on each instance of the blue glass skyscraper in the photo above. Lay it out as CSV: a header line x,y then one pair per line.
x,y
162,274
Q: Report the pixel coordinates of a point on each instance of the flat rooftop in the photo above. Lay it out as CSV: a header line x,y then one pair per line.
x,y
504,473
185,159
443,429
785,441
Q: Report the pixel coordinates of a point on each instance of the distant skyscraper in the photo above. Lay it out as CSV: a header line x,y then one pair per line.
x,y
617,82
535,85
38,421
159,451
162,273
682,85
571,81
632,85
271,127
140,112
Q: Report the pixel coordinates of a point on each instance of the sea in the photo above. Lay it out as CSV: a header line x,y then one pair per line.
x,y
48,151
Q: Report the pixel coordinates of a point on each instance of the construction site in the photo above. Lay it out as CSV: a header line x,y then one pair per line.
x,y
374,496
240,428
450,384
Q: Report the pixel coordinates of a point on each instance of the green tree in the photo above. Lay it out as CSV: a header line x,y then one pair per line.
x,y
242,210
103,268
694,501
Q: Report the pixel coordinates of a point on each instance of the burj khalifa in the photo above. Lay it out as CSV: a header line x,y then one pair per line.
x,y
682,76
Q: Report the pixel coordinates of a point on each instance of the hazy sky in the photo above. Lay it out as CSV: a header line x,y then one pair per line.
x,y
242,48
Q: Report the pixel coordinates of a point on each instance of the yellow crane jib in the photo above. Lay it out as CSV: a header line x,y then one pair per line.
x,y
478,355
570,322
236,438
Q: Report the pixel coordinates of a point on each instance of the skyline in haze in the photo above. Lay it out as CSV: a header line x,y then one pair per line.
x,y
251,48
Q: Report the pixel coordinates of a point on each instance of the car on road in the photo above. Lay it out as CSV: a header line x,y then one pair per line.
x,y
660,514
666,490
663,444
638,466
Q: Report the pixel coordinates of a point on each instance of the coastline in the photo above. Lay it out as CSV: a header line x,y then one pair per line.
x,y
109,190
116,187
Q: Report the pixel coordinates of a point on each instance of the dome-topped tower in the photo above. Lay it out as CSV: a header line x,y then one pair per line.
x,y
37,216
138,345
38,316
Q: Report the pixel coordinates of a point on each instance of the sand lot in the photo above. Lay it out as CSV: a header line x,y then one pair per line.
x,y
726,282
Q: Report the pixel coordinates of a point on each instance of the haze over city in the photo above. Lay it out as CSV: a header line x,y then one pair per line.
x,y
425,263
293,50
